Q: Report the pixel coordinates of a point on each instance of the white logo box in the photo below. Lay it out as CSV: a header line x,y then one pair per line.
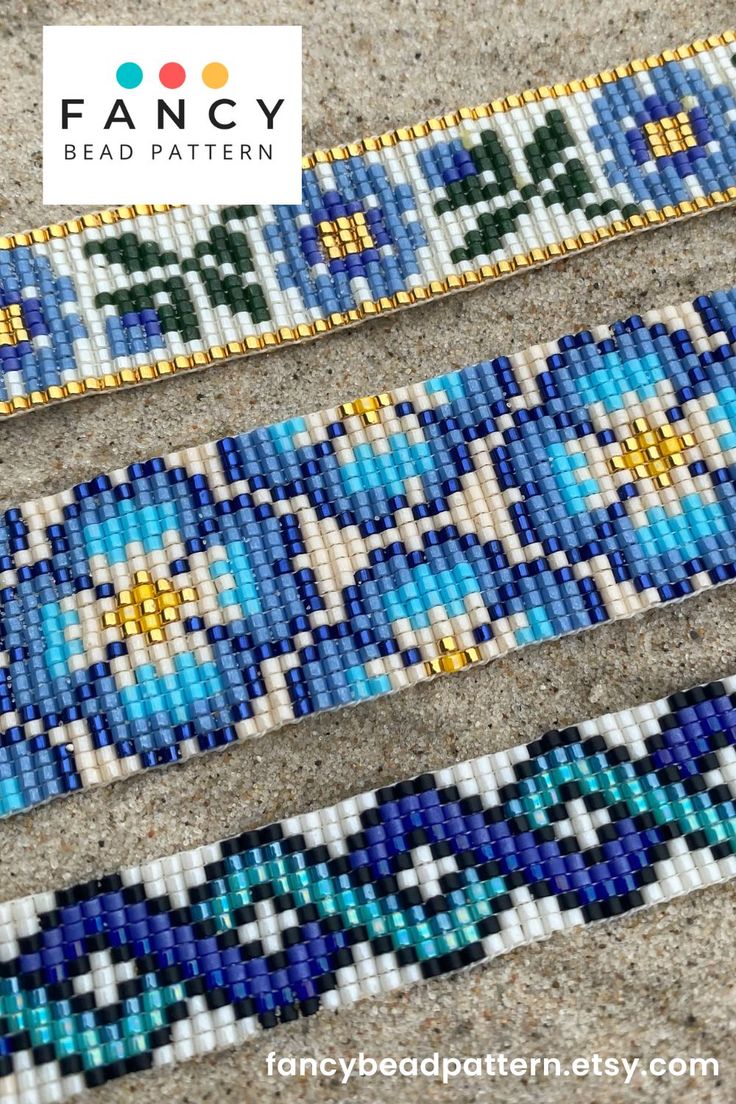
x,y
236,143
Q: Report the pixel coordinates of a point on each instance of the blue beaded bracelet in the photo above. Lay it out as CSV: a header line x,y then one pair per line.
x,y
195,952
138,293
212,595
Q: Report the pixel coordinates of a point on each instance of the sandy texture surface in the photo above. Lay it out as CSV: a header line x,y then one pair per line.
x,y
659,983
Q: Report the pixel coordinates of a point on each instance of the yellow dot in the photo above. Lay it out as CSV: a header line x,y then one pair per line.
x,y
215,74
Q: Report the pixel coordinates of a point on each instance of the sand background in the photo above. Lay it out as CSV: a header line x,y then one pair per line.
x,y
658,983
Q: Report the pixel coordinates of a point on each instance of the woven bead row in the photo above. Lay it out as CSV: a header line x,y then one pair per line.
x,y
138,293
195,952
194,600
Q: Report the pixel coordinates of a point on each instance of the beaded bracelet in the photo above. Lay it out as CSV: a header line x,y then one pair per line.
x,y
188,954
181,604
138,293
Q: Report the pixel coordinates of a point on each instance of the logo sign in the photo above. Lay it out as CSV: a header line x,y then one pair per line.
x,y
206,115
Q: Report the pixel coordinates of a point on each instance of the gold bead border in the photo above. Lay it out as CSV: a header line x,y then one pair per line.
x,y
456,282
588,239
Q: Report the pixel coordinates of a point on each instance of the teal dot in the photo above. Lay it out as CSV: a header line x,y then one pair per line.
x,y
129,75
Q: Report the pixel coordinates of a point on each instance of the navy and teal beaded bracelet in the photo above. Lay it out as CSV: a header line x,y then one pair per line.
x,y
182,604
188,954
138,293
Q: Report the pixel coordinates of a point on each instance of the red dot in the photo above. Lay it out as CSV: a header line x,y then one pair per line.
x,y
172,75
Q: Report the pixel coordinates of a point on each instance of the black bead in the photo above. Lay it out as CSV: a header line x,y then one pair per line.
x,y
200,893
570,791
33,979
49,919
594,801
406,956
246,914
70,1064
697,840
309,1007
160,1037
382,944
227,939
139,1062
370,818
314,856
326,983
111,883
341,958
93,1078
431,968
694,785
339,866
465,859
43,1054
195,986
159,905
78,966
251,950
720,793
489,925
594,745
216,998
435,905
448,794
515,879
568,900
355,935
472,953
177,1011
96,942
204,929
409,897
147,964
215,870
59,991
30,944
525,769
111,1013
133,895
170,975
568,845
362,875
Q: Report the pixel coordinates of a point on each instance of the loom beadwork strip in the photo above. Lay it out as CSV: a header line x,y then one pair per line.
x,y
137,293
215,594
184,955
